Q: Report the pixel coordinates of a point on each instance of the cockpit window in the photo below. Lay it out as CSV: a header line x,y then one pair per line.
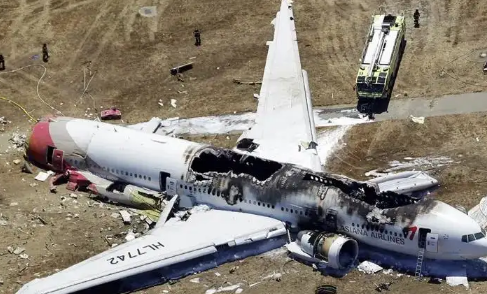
x,y
479,235
473,237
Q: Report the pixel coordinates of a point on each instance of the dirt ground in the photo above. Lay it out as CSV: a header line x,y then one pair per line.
x,y
131,56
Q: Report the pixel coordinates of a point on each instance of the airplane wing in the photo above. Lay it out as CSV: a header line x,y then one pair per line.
x,y
205,232
284,128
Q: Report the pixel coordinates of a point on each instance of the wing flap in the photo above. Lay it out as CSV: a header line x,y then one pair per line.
x,y
176,242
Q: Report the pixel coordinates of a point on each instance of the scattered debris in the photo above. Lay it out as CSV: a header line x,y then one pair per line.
x,y
256,96
217,274
223,289
239,290
419,120
233,269
16,161
24,256
125,216
383,286
16,251
369,267
148,11
18,140
195,280
114,215
173,103
110,114
72,195
181,68
27,168
326,289
42,176
275,276
14,204
130,236
160,103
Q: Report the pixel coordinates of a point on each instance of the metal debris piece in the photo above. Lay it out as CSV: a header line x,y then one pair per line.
x,y
181,68
130,236
419,120
14,204
125,216
42,176
24,256
18,250
114,215
72,195
195,280
237,81
173,103
16,161
369,267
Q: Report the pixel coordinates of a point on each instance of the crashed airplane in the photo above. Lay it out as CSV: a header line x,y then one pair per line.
x,y
270,183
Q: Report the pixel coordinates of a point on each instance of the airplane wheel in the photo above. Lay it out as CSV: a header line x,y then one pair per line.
x,y
326,289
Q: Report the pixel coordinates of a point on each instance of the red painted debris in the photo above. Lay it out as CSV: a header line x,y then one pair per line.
x,y
112,113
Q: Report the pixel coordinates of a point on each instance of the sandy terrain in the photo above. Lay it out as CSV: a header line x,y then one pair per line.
x,y
130,60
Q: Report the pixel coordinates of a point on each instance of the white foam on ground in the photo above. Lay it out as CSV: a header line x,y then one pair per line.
x,y
430,161
330,141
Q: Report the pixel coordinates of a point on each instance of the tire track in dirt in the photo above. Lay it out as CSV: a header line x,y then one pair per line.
x,y
14,27
104,9
109,33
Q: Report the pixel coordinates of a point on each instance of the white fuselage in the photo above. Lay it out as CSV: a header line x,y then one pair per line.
x,y
157,162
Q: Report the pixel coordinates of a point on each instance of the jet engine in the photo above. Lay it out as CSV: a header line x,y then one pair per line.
x,y
340,252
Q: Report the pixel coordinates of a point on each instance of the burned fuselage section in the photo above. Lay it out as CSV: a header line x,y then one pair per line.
x,y
286,191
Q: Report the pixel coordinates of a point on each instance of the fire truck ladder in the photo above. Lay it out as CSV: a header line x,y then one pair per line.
x,y
378,50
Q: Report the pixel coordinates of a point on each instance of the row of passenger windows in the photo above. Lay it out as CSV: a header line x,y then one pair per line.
x,y
215,192
376,228
112,170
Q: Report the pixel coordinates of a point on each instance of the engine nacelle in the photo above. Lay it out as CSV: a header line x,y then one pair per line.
x,y
340,252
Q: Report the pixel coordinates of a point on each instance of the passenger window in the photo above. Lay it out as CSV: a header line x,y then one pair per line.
x,y
126,173
145,178
258,203
385,231
272,206
149,179
190,189
353,224
140,176
282,208
301,212
180,186
135,175
287,210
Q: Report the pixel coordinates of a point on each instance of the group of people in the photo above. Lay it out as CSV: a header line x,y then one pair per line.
x,y
45,57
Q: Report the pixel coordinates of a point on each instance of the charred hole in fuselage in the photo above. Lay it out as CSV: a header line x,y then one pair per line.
x,y
223,161
365,192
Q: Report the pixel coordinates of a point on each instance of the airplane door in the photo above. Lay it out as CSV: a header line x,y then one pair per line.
x,y
163,176
58,159
432,242
171,185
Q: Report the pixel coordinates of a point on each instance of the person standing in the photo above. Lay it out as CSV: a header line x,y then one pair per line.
x,y
2,62
45,53
416,16
197,37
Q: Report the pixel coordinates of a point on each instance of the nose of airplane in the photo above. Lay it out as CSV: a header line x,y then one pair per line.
x,y
38,142
477,248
